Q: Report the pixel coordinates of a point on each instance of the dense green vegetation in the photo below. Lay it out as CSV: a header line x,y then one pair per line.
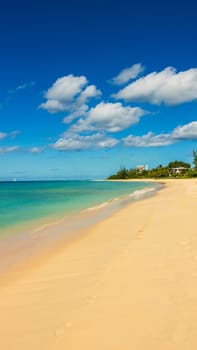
x,y
169,171
195,159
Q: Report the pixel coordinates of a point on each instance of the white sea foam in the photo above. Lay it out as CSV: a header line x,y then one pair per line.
x,y
141,193
124,199
49,234
99,206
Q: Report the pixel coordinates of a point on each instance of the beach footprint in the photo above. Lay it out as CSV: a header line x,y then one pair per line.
x,y
91,299
59,332
139,234
185,244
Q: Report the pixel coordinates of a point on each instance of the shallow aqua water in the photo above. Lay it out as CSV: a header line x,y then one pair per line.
x,y
25,202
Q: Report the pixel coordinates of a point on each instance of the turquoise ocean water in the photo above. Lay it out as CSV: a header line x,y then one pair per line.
x,y
23,203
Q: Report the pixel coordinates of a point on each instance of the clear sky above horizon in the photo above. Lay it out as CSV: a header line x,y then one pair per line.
x,y
88,86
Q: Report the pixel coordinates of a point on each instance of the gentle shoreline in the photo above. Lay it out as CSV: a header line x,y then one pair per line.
x,y
19,249
32,217
128,282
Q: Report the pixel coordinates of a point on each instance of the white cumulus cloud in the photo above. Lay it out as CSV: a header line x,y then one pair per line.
x,y
11,134
69,94
65,88
148,140
186,132
76,142
90,131
89,92
111,117
3,135
10,149
128,74
78,112
53,106
182,132
36,149
167,86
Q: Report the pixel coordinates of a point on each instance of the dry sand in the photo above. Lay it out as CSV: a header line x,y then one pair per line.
x,y
129,283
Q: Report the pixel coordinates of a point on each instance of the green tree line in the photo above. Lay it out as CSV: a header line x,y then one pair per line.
x,y
160,171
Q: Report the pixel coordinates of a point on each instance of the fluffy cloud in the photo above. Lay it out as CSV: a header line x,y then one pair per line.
x,y
66,88
167,86
74,142
111,117
128,74
148,140
89,92
3,135
78,112
89,132
10,149
70,94
36,150
11,135
185,132
53,106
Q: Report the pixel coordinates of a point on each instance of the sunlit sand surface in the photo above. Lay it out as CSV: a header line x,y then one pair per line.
x,y
130,282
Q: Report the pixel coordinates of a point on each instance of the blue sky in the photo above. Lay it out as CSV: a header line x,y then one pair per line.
x,y
88,86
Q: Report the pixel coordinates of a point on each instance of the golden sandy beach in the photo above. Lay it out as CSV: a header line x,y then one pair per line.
x,y
128,283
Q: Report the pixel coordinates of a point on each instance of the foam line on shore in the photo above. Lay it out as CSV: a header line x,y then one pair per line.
x,y
17,249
